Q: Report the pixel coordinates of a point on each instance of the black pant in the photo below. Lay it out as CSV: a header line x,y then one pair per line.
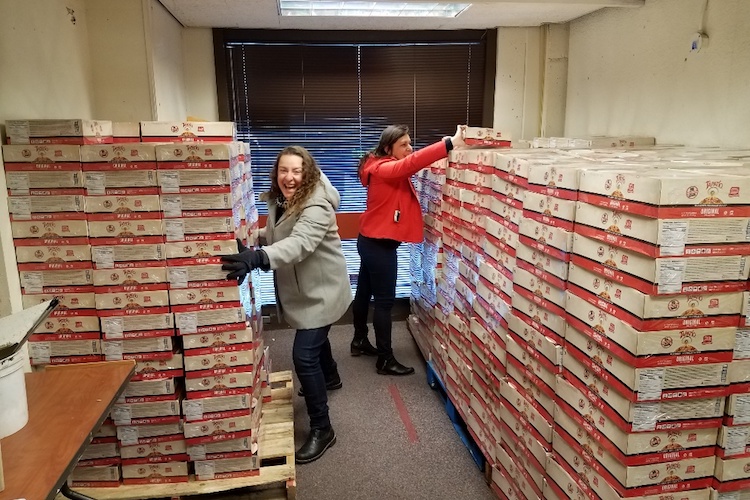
x,y
315,366
377,278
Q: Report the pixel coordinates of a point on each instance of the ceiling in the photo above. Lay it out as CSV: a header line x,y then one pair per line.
x,y
263,14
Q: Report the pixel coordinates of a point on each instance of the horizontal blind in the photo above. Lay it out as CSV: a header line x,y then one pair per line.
x,y
335,98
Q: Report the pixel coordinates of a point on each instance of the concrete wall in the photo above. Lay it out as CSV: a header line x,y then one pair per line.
x,y
631,71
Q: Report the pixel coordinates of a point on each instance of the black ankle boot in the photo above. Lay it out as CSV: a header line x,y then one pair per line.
x,y
363,346
389,366
331,385
317,443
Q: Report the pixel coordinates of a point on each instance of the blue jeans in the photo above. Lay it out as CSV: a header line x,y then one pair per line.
x,y
314,364
378,271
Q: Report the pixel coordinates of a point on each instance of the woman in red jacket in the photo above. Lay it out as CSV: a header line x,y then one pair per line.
x,y
393,216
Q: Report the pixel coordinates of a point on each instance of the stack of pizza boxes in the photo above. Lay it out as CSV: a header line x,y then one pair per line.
x,y
132,299
531,271
473,348
51,239
654,295
201,187
474,360
426,261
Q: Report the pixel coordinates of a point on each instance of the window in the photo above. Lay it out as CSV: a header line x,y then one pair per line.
x,y
334,92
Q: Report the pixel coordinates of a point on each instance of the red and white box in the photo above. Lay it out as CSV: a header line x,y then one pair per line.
x,y
655,312
130,435
113,253
73,131
188,131
44,278
663,275
140,274
483,136
657,445
545,321
213,407
550,211
43,251
152,412
36,167
201,249
51,228
101,476
668,193
155,449
143,225
678,413
650,382
182,272
203,225
149,387
191,319
664,237
117,323
542,265
623,478
222,335
72,300
551,240
159,473
120,169
205,292
151,347
46,201
694,344
575,464
537,343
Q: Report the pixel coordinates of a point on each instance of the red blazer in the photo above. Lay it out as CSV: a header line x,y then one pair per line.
x,y
393,210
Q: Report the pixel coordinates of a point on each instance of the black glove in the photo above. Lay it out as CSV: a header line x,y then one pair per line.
x,y
240,264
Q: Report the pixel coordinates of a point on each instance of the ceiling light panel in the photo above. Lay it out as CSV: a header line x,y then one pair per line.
x,y
370,9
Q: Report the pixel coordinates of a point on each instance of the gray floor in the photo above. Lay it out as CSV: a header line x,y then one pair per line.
x,y
374,456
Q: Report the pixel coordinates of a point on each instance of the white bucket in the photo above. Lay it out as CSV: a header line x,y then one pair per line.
x,y
14,411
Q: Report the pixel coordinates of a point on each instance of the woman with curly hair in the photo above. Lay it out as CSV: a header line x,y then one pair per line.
x,y
303,248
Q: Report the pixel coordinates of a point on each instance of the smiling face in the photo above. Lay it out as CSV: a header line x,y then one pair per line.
x,y
289,175
401,148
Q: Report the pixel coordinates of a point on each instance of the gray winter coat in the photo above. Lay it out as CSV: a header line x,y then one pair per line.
x,y
310,276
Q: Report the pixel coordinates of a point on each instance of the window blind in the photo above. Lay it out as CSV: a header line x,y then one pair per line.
x,y
334,93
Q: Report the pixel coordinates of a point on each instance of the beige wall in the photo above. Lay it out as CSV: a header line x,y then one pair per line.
x,y
45,68
165,35
631,72
518,82
200,75
122,89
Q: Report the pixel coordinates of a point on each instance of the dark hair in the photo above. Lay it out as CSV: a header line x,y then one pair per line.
x,y
310,178
388,138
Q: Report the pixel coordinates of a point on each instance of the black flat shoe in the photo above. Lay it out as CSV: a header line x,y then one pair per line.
x,y
330,386
317,443
363,346
389,366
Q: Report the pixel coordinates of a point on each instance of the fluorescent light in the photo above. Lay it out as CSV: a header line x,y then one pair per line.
x,y
369,9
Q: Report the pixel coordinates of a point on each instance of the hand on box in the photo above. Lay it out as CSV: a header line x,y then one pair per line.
x,y
241,263
458,137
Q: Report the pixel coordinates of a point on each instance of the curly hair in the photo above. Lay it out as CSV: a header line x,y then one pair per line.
x,y
310,179
388,138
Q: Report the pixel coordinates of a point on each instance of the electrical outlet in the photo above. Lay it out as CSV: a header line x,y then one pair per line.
x,y
699,41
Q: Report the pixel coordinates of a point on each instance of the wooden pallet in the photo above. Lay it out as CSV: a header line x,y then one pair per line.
x,y
275,450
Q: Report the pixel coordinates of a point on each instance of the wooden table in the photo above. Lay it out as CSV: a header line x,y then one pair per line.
x,y
67,404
